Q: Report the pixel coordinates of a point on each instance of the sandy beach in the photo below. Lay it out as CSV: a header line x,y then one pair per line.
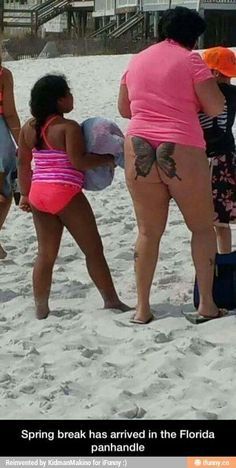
x,y
84,362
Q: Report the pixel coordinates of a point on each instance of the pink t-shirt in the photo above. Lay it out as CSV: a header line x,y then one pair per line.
x,y
164,106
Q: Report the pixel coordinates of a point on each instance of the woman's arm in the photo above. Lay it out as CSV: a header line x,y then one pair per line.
x,y
124,102
75,148
24,163
9,108
210,97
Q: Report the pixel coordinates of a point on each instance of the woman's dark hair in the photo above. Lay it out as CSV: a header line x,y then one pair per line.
x,y
44,101
181,24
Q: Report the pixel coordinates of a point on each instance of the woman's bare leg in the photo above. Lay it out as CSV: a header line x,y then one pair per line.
x,y
49,231
151,202
224,239
79,219
5,204
192,192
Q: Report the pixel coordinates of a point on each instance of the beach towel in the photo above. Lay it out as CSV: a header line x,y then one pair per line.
x,y
102,136
7,157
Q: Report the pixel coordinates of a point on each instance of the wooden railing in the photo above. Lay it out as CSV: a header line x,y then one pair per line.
x,y
127,25
35,16
126,3
105,29
166,3
187,3
17,18
48,10
220,1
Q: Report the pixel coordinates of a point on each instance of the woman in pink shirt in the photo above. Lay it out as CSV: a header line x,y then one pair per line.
x,y
161,92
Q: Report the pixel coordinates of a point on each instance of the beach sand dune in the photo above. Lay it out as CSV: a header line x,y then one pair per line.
x,y
84,362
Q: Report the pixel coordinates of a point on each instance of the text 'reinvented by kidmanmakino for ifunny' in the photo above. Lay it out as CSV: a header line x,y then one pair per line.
x,y
116,441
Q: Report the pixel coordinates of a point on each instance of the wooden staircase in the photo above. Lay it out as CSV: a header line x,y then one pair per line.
x,y
128,25
36,16
104,29
49,10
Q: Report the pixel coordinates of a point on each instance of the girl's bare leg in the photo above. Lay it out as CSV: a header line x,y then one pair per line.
x,y
49,231
224,239
79,219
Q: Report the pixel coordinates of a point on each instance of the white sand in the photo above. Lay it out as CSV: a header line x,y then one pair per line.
x,y
84,362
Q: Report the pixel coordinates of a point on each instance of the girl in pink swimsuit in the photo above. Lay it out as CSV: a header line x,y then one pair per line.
x,y
51,188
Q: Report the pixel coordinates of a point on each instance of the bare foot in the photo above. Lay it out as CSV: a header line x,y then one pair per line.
x,y
3,253
42,313
118,306
208,310
137,321
142,315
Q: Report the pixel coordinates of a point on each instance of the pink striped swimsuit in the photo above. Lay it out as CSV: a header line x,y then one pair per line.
x,y
55,181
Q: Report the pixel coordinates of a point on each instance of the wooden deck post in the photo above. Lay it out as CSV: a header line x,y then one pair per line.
x,y
34,23
201,40
1,15
155,24
146,24
69,22
84,23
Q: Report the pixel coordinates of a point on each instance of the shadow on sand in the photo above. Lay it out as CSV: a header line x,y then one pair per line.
x,y
164,310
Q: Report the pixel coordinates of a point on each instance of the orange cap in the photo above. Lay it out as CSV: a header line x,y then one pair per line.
x,y
221,59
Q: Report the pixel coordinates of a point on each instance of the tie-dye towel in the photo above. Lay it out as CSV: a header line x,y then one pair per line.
x,y
102,136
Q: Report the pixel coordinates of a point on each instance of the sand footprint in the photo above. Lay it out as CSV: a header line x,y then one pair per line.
x,y
135,412
125,256
205,415
91,352
123,324
176,222
5,379
163,338
7,295
199,346
65,313
4,329
28,389
169,279
3,253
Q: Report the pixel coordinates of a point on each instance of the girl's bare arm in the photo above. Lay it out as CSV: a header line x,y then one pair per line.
x,y
75,148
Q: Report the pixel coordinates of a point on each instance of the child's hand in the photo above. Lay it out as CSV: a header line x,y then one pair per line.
x,y
24,203
3,199
111,161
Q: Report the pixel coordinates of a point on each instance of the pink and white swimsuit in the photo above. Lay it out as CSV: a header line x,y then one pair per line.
x,y
55,181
